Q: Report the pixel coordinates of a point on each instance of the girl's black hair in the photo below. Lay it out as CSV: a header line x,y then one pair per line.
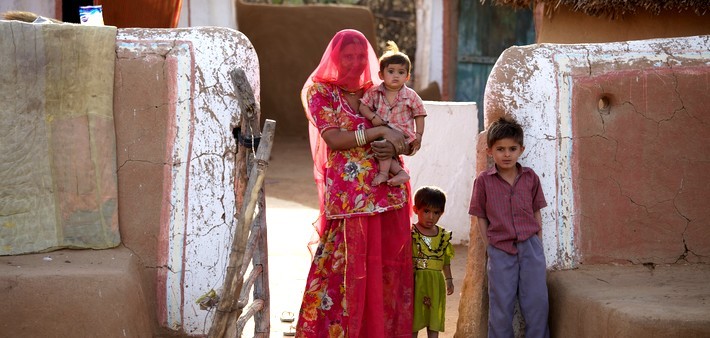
x,y
430,196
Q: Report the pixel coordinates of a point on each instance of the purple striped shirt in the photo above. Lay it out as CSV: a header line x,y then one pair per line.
x,y
509,209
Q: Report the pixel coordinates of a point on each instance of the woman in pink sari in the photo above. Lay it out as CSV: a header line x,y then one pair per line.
x,y
360,281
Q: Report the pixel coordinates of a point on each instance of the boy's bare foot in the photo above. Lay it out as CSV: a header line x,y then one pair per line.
x,y
379,179
400,178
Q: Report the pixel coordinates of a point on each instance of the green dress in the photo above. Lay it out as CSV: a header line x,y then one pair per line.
x,y
429,255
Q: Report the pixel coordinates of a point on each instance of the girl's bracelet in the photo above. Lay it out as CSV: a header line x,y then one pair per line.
x,y
449,279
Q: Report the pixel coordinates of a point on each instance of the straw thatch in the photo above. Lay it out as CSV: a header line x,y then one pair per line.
x,y
614,8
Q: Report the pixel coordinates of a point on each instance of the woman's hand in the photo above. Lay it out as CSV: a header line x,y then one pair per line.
x,y
383,149
396,138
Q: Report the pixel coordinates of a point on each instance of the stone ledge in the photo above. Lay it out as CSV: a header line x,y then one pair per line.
x,y
73,293
630,301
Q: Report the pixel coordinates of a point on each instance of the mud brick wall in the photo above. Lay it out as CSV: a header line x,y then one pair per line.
x,y
617,133
175,109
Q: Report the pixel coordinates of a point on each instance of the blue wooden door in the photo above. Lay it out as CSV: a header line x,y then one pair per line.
x,y
485,31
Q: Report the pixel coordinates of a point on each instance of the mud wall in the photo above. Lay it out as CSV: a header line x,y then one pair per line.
x,y
618,143
141,119
289,41
616,133
175,108
555,28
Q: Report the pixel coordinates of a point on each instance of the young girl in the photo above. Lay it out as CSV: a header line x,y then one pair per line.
x,y
397,106
432,252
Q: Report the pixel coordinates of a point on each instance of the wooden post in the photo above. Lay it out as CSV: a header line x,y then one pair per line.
x,y
248,129
260,259
262,320
227,310
249,193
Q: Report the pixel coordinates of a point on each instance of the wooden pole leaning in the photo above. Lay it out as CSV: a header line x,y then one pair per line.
x,y
249,190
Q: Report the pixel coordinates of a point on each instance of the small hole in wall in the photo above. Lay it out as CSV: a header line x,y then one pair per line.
x,y
603,104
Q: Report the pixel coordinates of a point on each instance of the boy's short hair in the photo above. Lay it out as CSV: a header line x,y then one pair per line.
x,y
430,196
393,56
505,127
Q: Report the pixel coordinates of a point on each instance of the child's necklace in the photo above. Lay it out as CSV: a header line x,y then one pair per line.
x,y
427,240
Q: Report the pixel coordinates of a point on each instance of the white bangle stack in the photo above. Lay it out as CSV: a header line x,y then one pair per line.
x,y
360,138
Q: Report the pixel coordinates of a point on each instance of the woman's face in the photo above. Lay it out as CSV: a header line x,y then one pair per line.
x,y
353,61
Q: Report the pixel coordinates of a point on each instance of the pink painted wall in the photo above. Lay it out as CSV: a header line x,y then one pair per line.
x,y
642,164
141,142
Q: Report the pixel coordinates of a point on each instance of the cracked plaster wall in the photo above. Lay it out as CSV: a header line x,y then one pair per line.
x,y
175,109
617,134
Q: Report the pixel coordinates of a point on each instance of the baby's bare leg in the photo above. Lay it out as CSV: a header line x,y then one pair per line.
x,y
400,175
384,171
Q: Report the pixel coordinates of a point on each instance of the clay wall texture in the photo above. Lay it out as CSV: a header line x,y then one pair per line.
x,y
642,164
135,125
569,26
623,179
175,109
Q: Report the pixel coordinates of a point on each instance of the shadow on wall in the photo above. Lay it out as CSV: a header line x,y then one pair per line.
x,y
289,41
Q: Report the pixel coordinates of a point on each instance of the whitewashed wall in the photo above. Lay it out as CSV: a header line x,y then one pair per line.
x,y
219,13
429,58
447,159
535,84
199,218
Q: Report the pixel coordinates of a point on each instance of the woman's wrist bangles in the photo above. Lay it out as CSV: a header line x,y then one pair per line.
x,y
360,137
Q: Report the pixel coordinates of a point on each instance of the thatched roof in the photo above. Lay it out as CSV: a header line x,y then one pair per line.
x,y
615,8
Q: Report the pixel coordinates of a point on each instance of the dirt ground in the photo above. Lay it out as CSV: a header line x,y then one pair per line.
x,y
292,204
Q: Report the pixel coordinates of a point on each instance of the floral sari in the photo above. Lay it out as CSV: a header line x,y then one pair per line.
x,y
361,278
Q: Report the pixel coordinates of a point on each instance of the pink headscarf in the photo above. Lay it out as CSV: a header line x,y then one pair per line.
x,y
328,72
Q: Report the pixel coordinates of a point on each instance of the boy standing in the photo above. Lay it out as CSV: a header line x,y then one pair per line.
x,y
507,199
